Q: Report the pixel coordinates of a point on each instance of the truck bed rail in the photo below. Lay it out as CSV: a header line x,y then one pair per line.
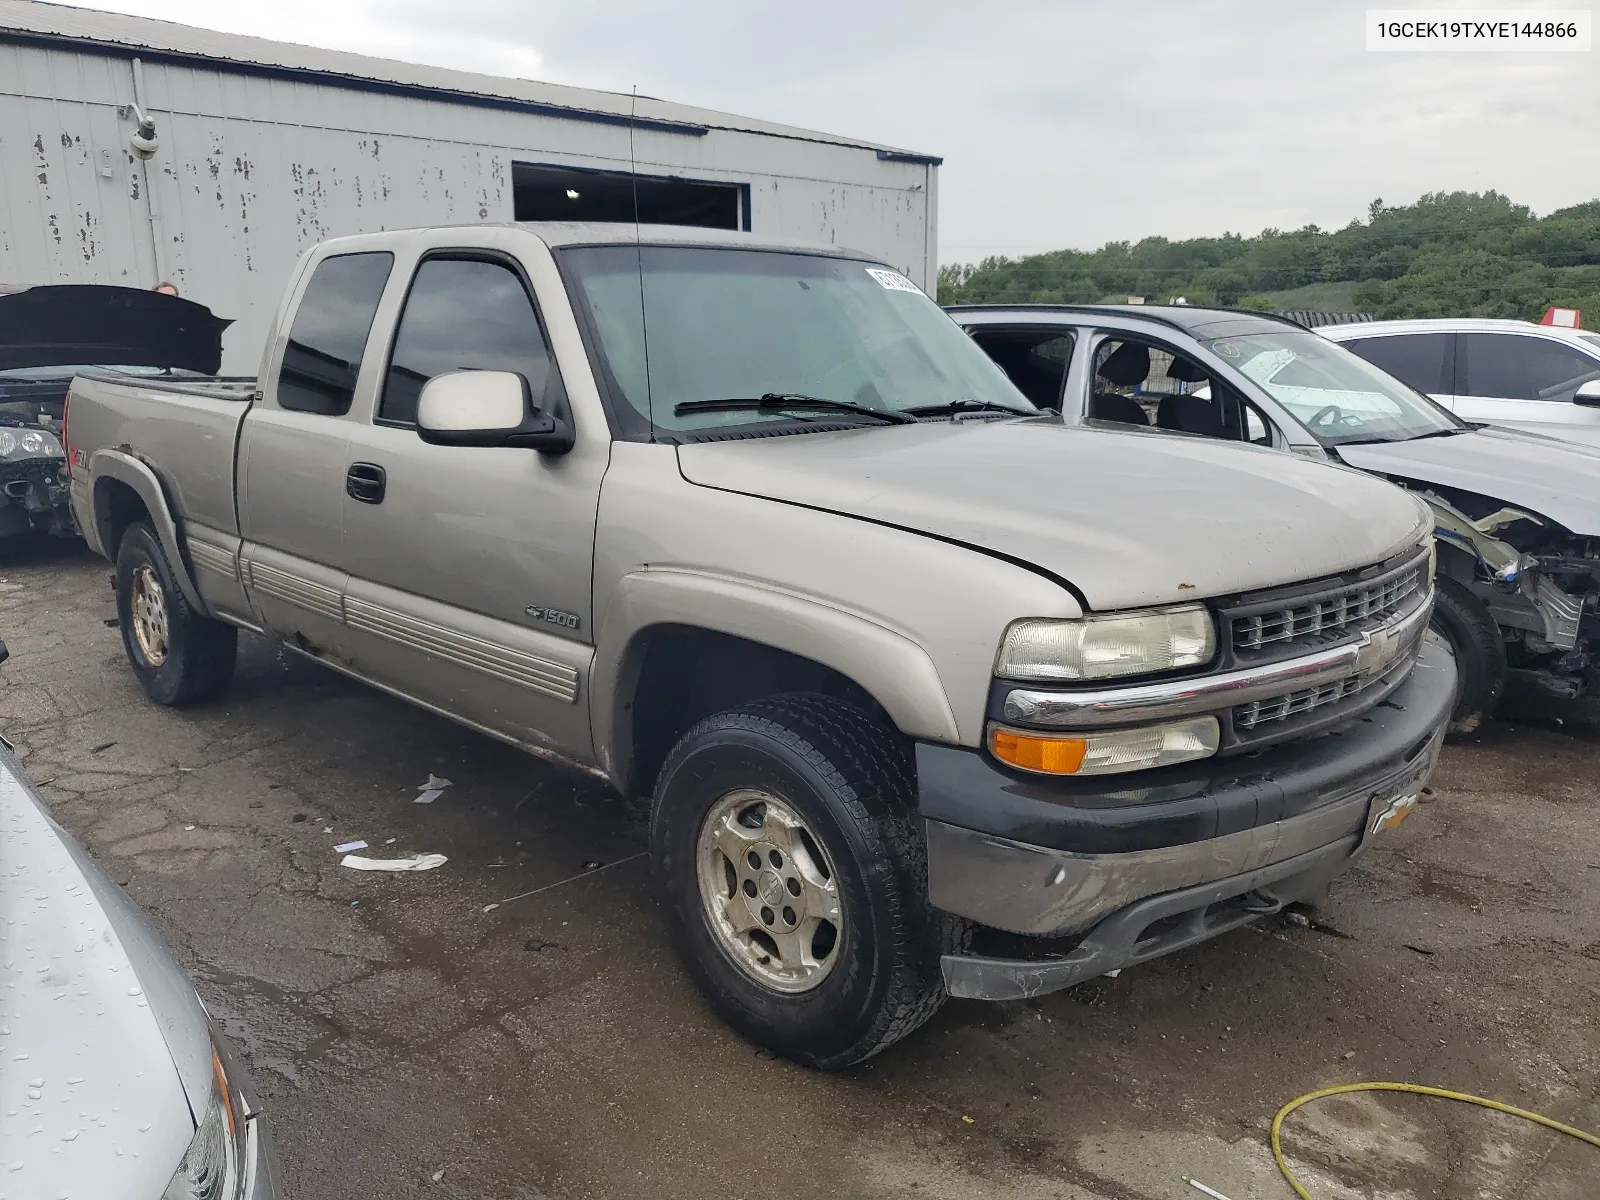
x,y
238,388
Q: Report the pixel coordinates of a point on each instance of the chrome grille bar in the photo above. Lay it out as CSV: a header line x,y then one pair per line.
x,y
1329,614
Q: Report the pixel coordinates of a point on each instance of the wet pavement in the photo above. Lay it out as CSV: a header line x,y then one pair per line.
x,y
513,1024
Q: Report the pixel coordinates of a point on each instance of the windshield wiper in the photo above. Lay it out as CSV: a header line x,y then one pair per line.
x,y
778,401
964,405
1397,441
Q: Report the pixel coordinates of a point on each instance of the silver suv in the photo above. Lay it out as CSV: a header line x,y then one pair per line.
x,y
1517,515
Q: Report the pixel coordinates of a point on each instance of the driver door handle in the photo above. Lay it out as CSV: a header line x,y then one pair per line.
x,y
366,482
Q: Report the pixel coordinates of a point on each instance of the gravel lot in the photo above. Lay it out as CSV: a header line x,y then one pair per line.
x,y
551,1046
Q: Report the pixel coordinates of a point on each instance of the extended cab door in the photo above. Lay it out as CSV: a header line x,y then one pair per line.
x,y
470,567
293,455
1529,382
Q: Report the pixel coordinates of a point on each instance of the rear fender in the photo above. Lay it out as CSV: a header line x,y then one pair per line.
x,y
125,468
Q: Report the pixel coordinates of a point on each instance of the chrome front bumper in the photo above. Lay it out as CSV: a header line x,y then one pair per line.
x,y
1056,892
1211,847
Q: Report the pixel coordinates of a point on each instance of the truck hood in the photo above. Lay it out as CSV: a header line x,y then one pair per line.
x,y
67,324
1555,479
103,1039
1129,518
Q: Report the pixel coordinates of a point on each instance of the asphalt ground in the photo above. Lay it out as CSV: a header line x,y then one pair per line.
x,y
514,1023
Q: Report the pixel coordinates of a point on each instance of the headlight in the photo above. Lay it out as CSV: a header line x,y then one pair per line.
x,y
1108,646
37,442
213,1168
1109,752
28,443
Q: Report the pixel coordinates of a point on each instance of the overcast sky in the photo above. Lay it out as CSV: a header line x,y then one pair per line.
x,y
1061,122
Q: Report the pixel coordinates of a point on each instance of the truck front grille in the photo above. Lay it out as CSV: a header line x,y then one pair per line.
x,y
1281,708
1329,611
1248,717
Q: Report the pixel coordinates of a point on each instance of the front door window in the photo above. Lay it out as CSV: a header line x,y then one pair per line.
x,y
1516,366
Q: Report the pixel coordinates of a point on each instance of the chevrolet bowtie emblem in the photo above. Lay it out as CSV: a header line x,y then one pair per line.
x,y
1379,648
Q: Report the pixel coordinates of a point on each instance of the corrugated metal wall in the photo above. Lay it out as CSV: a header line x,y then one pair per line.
x,y
251,169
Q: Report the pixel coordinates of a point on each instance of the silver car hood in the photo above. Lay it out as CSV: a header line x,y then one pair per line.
x,y
1555,479
1130,518
99,1031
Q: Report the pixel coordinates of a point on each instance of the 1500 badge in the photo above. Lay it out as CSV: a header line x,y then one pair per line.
x,y
553,616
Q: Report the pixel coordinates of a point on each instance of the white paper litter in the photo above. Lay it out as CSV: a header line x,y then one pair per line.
x,y
413,862
435,782
429,796
346,847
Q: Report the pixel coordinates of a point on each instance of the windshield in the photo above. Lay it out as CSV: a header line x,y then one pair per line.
x,y
739,324
1339,397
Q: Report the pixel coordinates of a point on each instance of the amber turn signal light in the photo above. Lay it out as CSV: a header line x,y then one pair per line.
x,y
1048,755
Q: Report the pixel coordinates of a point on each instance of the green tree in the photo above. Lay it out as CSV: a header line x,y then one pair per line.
x,y
1449,253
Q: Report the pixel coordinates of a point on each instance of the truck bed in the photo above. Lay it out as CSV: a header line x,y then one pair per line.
x,y
194,422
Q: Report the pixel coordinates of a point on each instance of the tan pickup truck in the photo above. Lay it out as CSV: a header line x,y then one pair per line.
x,y
930,694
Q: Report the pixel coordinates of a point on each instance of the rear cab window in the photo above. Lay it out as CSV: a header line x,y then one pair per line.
x,y
329,333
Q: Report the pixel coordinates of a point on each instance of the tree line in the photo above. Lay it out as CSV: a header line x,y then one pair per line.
x,y
1449,254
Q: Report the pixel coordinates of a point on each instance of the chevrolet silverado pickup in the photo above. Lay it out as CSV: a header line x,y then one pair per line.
x,y
929,693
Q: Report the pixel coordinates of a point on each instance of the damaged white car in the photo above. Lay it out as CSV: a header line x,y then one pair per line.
x,y
1517,514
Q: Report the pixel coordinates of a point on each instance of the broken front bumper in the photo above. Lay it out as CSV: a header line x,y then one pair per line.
x,y
1189,853
33,496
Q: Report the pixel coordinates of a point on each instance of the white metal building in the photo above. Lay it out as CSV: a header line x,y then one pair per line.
x,y
265,147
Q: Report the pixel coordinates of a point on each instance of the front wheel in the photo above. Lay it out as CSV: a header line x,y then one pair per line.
x,y
786,839
1466,623
179,655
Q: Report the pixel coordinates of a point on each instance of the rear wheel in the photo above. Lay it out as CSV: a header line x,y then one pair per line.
x,y
179,655
794,867
1466,623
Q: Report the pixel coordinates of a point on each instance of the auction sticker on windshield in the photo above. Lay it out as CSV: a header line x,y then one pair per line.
x,y
893,281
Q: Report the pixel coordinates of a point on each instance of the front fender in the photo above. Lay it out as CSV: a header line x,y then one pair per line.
x,y
125,468
889,666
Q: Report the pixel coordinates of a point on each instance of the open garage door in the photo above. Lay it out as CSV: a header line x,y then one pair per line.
x,y
549,193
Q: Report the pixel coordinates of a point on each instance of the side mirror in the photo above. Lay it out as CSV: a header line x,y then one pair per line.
x,y
1588,395
487,408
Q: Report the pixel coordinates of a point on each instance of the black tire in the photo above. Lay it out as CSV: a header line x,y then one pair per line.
x,y
1465,622
851,780
200,653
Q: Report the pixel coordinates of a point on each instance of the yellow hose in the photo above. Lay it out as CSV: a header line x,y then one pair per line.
x,y
1416,1089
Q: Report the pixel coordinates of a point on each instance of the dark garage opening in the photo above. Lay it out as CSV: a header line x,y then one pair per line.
x,y
569,194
